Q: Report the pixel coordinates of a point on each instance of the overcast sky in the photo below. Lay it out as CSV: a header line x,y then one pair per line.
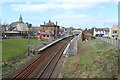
x,y
68,13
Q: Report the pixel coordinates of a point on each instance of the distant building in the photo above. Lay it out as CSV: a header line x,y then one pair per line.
x,y
77,31
101,32
49,30
114,32
62,31
86,34
18,28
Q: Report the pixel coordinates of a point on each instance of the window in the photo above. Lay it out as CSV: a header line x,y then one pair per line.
x,y
43,35
47,35
114,32
42,28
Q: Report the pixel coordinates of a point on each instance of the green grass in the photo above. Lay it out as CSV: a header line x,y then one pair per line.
x,y
14,47
95,59
14,52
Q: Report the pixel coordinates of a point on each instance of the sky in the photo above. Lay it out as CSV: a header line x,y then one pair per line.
x,y
68,13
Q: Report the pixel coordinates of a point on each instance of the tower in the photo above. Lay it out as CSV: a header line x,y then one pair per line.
x,y
20,19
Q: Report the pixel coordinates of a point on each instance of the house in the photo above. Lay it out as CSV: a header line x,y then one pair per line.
x,y
101,32
114,31
86,34
18,28
49,30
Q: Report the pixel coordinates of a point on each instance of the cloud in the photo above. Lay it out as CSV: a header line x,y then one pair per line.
x,y
29,7
83,21
65,11
73,1
58,4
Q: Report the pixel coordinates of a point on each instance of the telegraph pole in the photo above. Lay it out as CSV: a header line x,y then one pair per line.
x,y
119,40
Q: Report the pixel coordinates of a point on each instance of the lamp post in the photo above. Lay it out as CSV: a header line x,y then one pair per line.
x,y
29,25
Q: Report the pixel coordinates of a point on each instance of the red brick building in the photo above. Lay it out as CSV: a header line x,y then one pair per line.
x,y
86,34
49,30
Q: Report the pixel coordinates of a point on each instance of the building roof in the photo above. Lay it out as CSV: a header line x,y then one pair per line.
x,y
50,23
48,32
102,29
77,31
18,25
115,27
14,24
86,32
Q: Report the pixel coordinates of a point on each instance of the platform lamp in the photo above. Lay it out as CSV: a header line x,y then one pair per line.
x,y
119,40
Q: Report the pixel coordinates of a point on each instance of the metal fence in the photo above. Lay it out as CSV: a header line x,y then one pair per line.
x,y
109,41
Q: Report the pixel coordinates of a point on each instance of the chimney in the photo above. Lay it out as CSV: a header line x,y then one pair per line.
x,y
56,22
44,22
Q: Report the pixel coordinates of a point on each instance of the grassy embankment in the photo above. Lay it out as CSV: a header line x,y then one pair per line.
x,y
14,47
14,53
95,59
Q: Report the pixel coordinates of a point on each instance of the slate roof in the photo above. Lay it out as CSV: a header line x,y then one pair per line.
x,y
102,29
48,32
14,24
50,24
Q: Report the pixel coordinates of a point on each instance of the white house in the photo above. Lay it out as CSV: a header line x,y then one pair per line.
x,y
101,32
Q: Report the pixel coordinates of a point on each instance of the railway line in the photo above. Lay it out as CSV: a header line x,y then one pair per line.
x,y
44,65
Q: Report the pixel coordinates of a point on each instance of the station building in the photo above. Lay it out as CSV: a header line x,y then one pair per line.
x,y
49,30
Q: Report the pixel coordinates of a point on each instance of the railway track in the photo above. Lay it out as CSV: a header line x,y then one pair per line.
x,y
44,65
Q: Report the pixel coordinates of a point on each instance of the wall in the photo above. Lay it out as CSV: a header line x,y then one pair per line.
x,y
71,48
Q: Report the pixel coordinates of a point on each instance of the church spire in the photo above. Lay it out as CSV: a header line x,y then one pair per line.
x,y
20,19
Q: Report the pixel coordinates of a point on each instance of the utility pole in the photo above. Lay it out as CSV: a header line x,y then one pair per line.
x,y
119,40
